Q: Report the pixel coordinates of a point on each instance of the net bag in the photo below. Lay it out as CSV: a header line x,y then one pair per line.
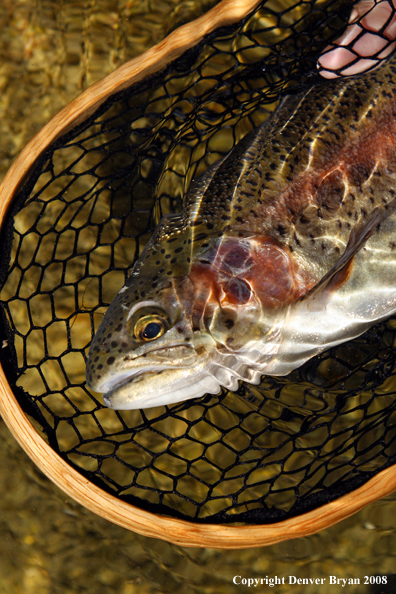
x,y
258,466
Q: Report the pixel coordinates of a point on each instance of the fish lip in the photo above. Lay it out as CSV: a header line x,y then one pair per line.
x,y
169,346
155,369
134,373
107,397
129,379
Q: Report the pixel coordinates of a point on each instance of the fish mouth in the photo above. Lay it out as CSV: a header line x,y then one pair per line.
x,y
133,378
168,357
155,392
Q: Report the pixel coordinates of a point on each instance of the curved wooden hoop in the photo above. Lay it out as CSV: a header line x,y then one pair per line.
x,y
66,478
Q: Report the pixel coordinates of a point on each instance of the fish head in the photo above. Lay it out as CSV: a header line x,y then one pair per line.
x,y
207,321
144,334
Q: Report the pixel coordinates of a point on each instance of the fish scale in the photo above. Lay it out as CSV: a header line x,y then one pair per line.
x,y
284,248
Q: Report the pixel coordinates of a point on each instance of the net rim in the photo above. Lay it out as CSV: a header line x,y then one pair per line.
x,y
181,532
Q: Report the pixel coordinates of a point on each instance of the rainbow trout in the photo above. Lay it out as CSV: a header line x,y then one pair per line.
x,y
285,248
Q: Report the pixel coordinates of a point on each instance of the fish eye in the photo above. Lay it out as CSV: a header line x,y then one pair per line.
x,y
149,321
150,327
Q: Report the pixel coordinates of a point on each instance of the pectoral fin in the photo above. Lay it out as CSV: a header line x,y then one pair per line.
x,y
341,271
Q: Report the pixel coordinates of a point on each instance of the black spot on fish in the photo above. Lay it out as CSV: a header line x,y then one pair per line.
x,y
229,323
110,361
114,344
282,230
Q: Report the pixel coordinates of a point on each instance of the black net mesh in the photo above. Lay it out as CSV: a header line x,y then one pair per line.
x,y
82,218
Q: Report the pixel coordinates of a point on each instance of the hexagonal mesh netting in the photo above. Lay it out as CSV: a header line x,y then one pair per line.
x,y
79,222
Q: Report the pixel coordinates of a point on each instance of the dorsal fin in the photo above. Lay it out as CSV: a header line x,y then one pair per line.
x,y
198,187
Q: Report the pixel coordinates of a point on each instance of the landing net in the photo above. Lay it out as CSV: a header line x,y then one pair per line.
x,y
83,216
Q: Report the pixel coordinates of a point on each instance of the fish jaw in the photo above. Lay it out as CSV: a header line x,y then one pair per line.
x,y
164,376
176,355
210,372
162,386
